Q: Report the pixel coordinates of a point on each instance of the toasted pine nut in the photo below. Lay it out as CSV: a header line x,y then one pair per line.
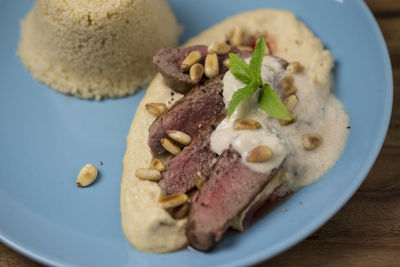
x,y
291,102
219,48
200,179
211,65
237,36
267,51
293,119
170,146
294,67
246,124
311,141
196,72
158,165
290,91
191,59
173,201
181,212
180,137
148,174
259,154
286,82
225,63
86,175
244,48
156,109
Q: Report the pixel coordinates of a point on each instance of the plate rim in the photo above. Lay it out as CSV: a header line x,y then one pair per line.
x,y
318,222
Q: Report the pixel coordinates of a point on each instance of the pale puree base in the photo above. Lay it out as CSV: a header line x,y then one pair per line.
x,y
146,225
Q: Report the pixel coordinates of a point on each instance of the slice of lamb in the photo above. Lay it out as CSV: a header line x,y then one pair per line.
x,y
168,62
188,114
180,173
276,189
231,187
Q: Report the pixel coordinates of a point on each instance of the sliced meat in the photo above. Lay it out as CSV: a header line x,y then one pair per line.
x,y
188,114
180,173
264,203
231,187
168,62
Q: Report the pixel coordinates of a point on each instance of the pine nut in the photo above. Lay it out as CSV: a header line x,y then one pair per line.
x,y
311,141
196,72
181,212
259,154
246,124
219,48
191,59
286,82
245,48
148,174
200,179
225,63
158,165
180,137
173,201
87,175
156,109
211,65
290,91
294,67
170,146
292,120
236,36
267,51
291,102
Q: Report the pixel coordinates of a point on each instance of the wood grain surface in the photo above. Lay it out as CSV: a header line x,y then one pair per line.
x,y
366,232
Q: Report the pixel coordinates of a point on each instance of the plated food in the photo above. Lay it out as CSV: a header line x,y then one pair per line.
x,y
192,170
96,49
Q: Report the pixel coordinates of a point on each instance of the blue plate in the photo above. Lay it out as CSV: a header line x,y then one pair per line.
x,y
45,137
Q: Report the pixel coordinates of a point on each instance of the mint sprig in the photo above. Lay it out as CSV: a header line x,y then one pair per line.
x,y
239,68
241,95
270,102
256,60
250,74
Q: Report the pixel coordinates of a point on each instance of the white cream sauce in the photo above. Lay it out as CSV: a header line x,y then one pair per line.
x,y
318,112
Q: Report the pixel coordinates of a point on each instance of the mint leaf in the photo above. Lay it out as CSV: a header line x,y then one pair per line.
x,y
256,60
270,102
240,95
239,68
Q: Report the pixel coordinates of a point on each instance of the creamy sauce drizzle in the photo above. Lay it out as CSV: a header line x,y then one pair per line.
x,y
318,112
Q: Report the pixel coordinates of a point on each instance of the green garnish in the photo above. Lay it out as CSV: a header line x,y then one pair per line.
x,y
250,74
270,102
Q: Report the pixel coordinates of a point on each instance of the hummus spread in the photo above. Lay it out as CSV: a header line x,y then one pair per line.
x,y
150,228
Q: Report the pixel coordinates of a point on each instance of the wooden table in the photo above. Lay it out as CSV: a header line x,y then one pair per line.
x,y
367,230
